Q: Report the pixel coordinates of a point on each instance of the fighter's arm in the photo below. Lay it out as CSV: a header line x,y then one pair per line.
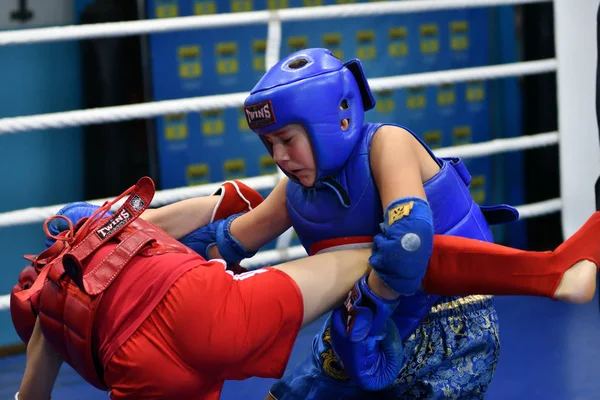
x,y
406,241
252,230
41,368
395,164
180,218
362,335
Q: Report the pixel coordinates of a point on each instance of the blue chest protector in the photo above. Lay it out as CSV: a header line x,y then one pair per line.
x,y
347,206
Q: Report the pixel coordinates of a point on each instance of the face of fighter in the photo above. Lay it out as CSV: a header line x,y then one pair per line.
x,y
293,153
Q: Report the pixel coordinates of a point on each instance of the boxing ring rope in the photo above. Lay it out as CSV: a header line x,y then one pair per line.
x,y
273,18
168,196
219,102
141,27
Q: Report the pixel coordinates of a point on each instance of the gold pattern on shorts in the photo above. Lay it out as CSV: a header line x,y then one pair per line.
x,y
400,211
331,365
462,301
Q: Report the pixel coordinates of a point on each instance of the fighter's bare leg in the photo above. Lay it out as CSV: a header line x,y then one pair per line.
x,y
578,284
325,279
459,266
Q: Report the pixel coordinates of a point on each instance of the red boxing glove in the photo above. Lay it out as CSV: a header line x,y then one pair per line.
x,y
23,313
235,198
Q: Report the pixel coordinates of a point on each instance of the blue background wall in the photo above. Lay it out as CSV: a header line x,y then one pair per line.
x,y
39,168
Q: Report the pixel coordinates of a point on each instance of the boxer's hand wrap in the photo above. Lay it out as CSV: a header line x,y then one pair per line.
x,y
401,252
217,234
365,339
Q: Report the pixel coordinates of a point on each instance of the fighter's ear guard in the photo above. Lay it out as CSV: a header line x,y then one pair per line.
x,y
365,90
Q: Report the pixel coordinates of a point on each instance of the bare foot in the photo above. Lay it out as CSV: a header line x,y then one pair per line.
x,y
578,284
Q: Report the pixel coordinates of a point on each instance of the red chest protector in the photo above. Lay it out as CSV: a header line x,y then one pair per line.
x,y
69,288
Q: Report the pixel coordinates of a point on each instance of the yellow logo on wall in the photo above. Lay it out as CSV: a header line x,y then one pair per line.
x,y
459,35
259,51
366,49
166,9
190,66
415,98
197,174
235,168
433,139
430,42
296,43
267,165
385,101
446,95
475,91
227,58
332,41
175,126
202,7
276,4
241,5
477,189
461,135
212,122
398,46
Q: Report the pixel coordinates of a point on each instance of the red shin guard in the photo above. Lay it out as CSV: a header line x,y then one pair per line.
x,y
461,267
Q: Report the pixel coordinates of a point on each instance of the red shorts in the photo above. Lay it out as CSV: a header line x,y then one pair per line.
x,y
211,326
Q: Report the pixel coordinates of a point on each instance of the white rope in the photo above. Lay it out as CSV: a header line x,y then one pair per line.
x,y
464,75
271,257
120,113
162,197
499,146
217,102
40,214
541,208
129,28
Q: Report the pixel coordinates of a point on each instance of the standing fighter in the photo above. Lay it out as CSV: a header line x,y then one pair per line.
x,y
356,184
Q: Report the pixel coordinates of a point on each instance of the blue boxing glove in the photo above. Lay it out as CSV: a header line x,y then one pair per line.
x,y
401,253
75,212
217,234
366,340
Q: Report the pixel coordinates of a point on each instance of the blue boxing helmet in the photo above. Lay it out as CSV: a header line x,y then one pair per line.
x,y
315,89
